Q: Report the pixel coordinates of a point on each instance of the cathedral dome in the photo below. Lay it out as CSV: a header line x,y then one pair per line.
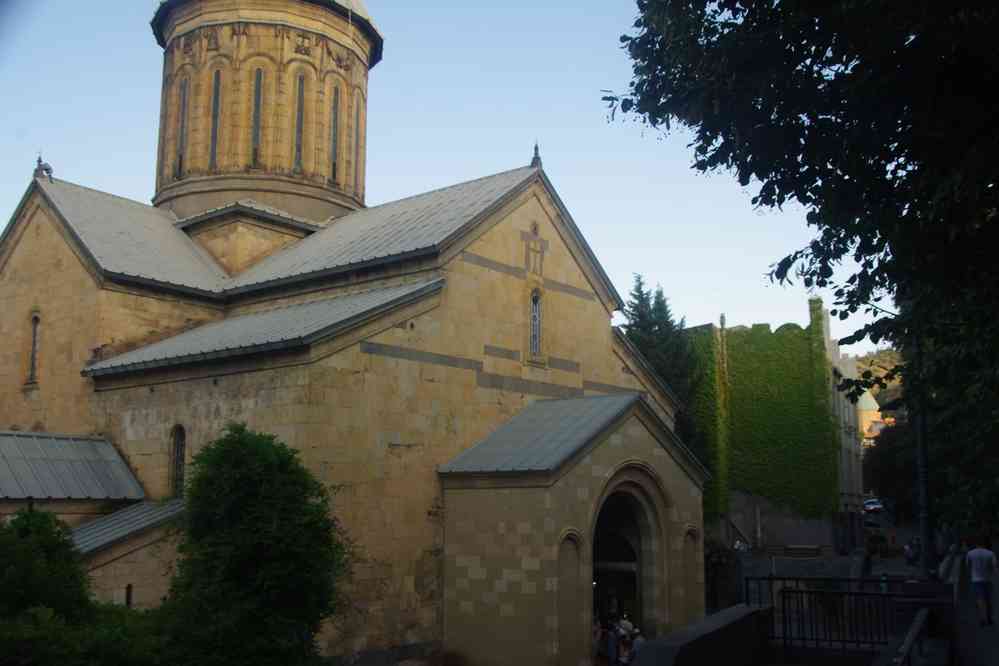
x,y
264,101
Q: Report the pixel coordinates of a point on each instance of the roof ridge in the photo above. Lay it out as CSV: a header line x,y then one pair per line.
x,y
108,194
433,191
288,306
50,435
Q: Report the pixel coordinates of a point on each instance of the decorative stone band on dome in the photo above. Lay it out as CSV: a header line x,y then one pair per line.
x,y
353,9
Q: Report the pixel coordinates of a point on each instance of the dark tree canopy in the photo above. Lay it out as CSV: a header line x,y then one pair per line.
x,y
879,119
261,556
40,567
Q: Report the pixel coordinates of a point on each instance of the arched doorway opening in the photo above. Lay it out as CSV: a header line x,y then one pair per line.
x,y
618,559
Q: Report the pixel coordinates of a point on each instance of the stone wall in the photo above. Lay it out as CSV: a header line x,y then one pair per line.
x,y
376,410
41,275
503,546
140,567
71,512
284,41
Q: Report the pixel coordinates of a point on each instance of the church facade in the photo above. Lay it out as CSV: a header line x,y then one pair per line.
x,y
506,460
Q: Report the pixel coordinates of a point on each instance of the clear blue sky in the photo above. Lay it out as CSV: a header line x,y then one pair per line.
x,y
463,91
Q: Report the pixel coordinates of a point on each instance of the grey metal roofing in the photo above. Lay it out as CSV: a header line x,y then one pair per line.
x,y
422,222
285,327
118,526
254,208
542,436
37,465
128,238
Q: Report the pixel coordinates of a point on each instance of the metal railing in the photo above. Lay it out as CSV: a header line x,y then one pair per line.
x,y
856,614
825,619
765,590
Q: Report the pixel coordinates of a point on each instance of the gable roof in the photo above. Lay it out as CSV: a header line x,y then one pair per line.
x,y
120,525
128,240
542,436
133,243
419,224
282,328
37,465
250,208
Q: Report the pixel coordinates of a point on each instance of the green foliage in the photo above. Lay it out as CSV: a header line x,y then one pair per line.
x,y
708,409
40,567
47,617
260,559
661,339
871,116
783,441
764,419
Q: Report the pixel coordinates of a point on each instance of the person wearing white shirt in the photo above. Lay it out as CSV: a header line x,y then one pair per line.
x,y
981,566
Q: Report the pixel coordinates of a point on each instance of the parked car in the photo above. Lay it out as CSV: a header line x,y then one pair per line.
x,y
873,506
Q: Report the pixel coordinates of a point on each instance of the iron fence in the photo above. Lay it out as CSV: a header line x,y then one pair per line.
x,y
826,619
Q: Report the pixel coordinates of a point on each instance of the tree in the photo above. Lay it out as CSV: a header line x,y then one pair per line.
x,y
261,556
653,330
873,117
40,568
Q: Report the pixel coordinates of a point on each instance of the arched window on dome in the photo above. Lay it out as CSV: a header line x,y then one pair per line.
x,y
357,144
334,133
535,344
299,123
181,129
258,100
216,113
178,453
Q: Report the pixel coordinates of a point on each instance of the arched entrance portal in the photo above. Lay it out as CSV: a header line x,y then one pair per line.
x,y
618,558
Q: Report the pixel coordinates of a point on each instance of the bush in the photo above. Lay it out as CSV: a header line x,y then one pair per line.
x,y
39,566
260,556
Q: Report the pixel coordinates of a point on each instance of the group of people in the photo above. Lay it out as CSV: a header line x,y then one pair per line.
x,y
616,640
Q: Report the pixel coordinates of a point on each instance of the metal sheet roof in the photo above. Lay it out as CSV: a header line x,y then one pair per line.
x,y
542,436
120,525
36,465
420,222
281,328
132,239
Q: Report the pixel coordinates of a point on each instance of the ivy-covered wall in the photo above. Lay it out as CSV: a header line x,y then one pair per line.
x,y
763,415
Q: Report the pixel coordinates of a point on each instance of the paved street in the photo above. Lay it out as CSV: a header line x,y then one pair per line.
x,y
977,646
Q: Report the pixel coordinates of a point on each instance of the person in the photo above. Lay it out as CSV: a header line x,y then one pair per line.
x,y
981,565
909,559
637,642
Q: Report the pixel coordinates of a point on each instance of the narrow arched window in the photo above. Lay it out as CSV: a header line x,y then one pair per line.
x,y
258,99
36,322
357,144
535,323
128,596
178,451
216,102
334,133
299,122
181,129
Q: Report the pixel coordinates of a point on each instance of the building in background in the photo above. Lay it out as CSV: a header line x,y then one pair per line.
x,y
782,443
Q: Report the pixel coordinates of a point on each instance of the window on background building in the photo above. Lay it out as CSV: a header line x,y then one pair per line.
x,y
182,129
535,323
36,322
334,133
216,103
178,452
299,122
258,93
128,596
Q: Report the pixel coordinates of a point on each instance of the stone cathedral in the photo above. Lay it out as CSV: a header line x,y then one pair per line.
x,y
508,462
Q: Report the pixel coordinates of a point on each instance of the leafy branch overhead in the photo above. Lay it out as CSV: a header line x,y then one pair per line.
x,y
878,119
